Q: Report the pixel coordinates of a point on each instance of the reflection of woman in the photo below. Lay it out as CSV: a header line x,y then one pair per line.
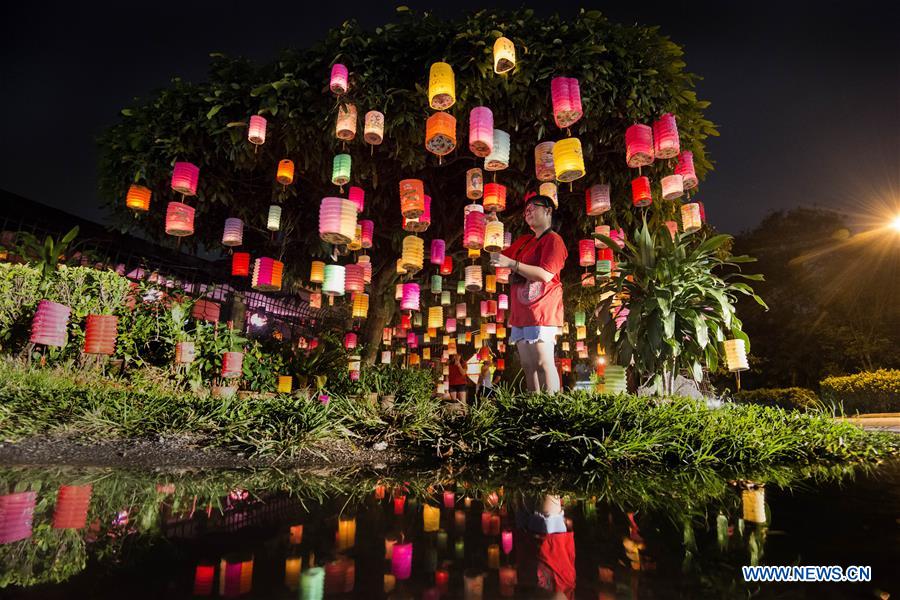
x,y
536,302
457,380
546,548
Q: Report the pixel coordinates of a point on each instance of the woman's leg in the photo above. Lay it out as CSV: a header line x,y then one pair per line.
x,y
462,396
528,358
453,396
546,366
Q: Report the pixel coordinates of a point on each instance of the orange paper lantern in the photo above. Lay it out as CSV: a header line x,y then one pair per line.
x,y
138,197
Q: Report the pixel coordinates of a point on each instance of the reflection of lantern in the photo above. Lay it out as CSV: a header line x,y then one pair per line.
x,y
49,325
138,197
474,184
232,364
366,233
360,305
685,168
435,317
504,55
566,96
493,236
498,159
374,131
639,146
493,556
690,217
613,380
339,79
340,170
337,220
267,273
543,161
273,223
597,199
481,131
440,133
354,278
494,197
473,279
256,133
401,560
549,189
234,232
413,256
586,256
204,576
312,582
292,566
473,229
754,505
346,535
441,86
640,191
185,176
672,187
508,579
665,137
431,518
16,516
568,159
179,219
285,384
72,503
317,272
447,265
412,198
185,352
473,586
410,298
736,355
345,127
100,334
333,283
285,173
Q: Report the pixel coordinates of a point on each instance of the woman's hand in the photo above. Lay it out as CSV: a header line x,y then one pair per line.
x,y
500,260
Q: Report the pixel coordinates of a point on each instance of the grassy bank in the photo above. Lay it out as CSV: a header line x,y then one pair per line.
x,y
573,431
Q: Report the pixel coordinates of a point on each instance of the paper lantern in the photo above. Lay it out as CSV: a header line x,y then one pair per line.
x,y
138,197
549,189
640,191
367,232
185,177
422,222
473,229
461,308
435,317
412,340
401,270
256,133
502,302
440,133
206,310
333,283
401,561
356,243
312,584
685,168
345,126
350,341
386,357
315,300
185,352
354,278
493,236
597,199
504,55
285,384
445,298
337,220
360,305
374,128
494,197
441,86
437,284
672,226
565,94
339,79
690,217
437,251
481,131
273,222
285,173
72,504
543,161
412,198
665,137
317,272
100,334
586,257
410,298
702,211
48,327
639,146
498,159
234,232
672,187
413,256
179,219
340,170
736,355
613,380
473,278
447,265
474,184
568,159
490,283
267,273
604,261
502,273
357,195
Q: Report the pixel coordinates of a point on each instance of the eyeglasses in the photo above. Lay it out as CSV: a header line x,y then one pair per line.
x,y
530,207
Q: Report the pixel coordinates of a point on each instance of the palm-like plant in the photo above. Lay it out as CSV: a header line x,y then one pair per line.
x,y
680,296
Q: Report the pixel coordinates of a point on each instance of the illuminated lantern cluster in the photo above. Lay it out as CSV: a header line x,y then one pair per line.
x,y
333,282
690,217
568,160
440,133
672,187
494,197
100,334
185,177
340,169
138,197
565,94
685,168
665,137
639,146
473,227
474,184
543,161
345,127
232,364
240,264
49,325
206,310
438,252
374,128
360,307
597,200
498,159
473,278
256,132
441,86
337,220
493,236
481,131
233,235
16,516
179,219
72,504
736,355
504,55
366,233
339,79
273,222
412,198
285,173
354,278
267,274
640,191
413,256
410,297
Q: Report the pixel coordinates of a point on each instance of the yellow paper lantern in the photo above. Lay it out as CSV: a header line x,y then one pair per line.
x,y
273,223
431,518
504,55
568,159
285,384
356,243
345,128
690,217
441,86
736,355
360,305
580,332
490,283
474,252
435,317
317,272
493,236
413,256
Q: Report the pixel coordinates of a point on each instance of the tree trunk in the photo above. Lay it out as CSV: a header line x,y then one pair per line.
x,y
381,307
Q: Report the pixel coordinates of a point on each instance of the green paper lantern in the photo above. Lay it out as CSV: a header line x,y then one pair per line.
x,y
340,172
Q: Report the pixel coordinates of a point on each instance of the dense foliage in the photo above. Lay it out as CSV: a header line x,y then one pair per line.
x,y
787,398
874,392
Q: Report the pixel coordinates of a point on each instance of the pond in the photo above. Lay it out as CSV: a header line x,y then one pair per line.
x,y
108,533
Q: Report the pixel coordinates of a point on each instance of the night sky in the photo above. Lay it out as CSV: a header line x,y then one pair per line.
x,y
806,97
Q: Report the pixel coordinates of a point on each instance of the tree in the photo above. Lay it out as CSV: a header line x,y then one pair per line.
x,y
627,75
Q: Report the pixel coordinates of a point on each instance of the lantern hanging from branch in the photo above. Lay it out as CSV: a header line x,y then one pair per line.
x,y
568,159
504,55
179,219
185,177
586,256
435,317
672,187
690,217
350,340
502,273
240,264
685,168
138,197
543,161
256,132
498,159
354,278
473,278
597,199
367,232
412,198
493,236
441,86
409,299
490,286
494,197
233,235
640,191
502,302
337,220
333,284
474,184
413,255
285,173
267,273
357,195
481,131
473,229
440,133
374,128
345,126
639,146
665,137
437,284
339,79
356,243
447,265
317,272
550,190
438,251
273,223
566,96
340,170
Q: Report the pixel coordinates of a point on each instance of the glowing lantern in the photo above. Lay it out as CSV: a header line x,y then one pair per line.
x,y
639,146
410,298
685,168
285,173
340,170
413,256
345,127
234,232
490,284
435,317
672,187
412,198
339,79
256,133
423,221
357,195
473,278
473,230
185,176
204,576
437,253
440,133
640,191
441,86
273,223
604,261
333,284
374,128
613,380
494,197
493,236
461,309
447,265
690,217
445,298
386,357
360,305
356,243
481,131
315,300
503,302
543,161
597,199
400,269
337,220
498,159
474,184
736,355
401,560
100,334
350,341
138,197
586,257
354,278
672,226
267,273
437,284
549,189
185,352
72,503
502,272
665,137
312,583
317,272
179,219
566,96
367,232
49,325
568,159
285,384
412,340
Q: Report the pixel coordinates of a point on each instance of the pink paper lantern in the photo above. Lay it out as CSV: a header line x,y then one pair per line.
x,y
502,302
566,96
586,256
672,187
450,325
337,220
358,196
410,298
506,541
267,274
481,131
256,133
179,219
640,191
367,229
354,278
350,341
665,137
49,325
461,310
473,229
401,561
639,146
16,516
185,177
596,199
449,499
412,340
339,79
685,168
438,250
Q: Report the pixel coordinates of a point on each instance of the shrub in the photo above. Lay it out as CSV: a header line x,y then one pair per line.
x,y
867,392
789,398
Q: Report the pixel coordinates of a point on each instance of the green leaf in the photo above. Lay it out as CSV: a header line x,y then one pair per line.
x,y
213,111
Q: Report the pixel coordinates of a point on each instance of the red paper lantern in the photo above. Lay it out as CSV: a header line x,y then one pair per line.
x,y
100,334
354,278
639,146
586,256
72,503
473,230
185,177
447,265
240,264
357,195
350,341
206,310
204,576
494,197
596,199
232,364
640,191
49,325
412,198
685,168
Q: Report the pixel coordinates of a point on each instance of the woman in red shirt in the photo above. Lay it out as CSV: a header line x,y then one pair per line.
x,y
458,380
536,301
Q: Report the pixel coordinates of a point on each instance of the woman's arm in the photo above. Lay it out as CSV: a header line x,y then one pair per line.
x,y
529,272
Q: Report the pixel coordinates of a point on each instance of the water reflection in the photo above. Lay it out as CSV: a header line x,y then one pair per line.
x,y
271,534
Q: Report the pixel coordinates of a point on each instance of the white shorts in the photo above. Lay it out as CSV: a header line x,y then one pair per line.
x,y
534,334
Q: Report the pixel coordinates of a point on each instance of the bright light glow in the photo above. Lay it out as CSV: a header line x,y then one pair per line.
x,y
895,224
258,320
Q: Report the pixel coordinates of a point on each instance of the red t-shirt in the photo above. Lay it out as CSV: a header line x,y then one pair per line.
x,y
457,375
535,302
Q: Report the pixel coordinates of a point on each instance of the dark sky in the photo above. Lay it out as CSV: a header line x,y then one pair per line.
x,y
806,94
